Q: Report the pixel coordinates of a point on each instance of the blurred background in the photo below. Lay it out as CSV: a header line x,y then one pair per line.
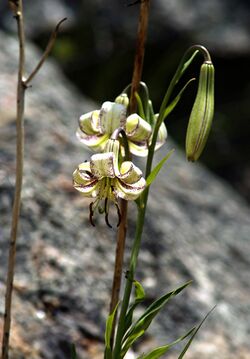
x,y
96,45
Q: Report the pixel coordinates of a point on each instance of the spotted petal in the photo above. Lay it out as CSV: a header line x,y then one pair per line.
x,y
102,165
129,192
129,173
89,123
137,129
84,182
95,142
112,116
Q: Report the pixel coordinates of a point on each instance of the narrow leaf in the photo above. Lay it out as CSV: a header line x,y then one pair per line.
x,y
158,352
193,335
140,106
172,105
108,332
73,351
186,64
130,341
144,93
144,321
139,291
139,297
157,168
151,115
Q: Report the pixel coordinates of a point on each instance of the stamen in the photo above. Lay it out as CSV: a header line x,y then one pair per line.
x,y
119,215
91,214
107,213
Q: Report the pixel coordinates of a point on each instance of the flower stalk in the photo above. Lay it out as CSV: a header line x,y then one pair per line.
x,y
121,235
22,85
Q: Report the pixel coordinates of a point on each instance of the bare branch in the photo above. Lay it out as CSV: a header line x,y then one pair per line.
x,y
19,179
46,52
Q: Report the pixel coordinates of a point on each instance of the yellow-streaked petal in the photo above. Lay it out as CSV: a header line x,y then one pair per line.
x,y
129,192
138,149
137,129
102,165
95,142
84,182
129,173
112,116
89,124
162,136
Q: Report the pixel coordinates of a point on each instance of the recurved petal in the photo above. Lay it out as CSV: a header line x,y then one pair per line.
x,y
112,115
94,141
84,182
84,172
102,165
129,173
89,123
137,129
162,136
129,192
138,149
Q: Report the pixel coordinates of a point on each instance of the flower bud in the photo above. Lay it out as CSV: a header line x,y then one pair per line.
x,y
202,113
122,100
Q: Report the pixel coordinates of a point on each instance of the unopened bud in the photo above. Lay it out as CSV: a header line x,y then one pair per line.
x,y
202,113
122,99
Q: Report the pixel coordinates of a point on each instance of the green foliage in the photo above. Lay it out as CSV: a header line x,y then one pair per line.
x,y
108,332
157,168
172,105
193,335
73,351
158,352
139,297
138,328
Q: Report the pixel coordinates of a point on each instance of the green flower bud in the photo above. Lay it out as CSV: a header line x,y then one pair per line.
x,y
202,113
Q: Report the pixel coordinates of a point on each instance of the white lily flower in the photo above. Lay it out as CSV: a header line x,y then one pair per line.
x,y
102,178
96,127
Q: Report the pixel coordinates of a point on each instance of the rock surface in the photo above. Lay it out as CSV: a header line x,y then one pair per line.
x,y
197,228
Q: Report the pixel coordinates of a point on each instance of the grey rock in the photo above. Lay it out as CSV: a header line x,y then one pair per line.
x,y
197,228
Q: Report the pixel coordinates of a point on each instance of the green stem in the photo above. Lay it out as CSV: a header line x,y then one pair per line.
x,y
186,60
129,280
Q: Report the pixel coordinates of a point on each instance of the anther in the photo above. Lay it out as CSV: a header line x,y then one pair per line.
x,y
118,214
91,214
106,213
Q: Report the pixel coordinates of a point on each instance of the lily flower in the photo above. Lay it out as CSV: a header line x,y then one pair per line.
x,y
96,127
105,180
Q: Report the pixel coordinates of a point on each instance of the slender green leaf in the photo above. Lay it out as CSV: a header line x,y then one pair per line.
x,y
157,168
145,320
130,341
151,115
73,351
186,64
140,106
108,332
139,291
139,297
144,94
172,105
158,352
193,335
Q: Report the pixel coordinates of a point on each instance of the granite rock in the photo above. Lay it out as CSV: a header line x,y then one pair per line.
x,y
196,228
